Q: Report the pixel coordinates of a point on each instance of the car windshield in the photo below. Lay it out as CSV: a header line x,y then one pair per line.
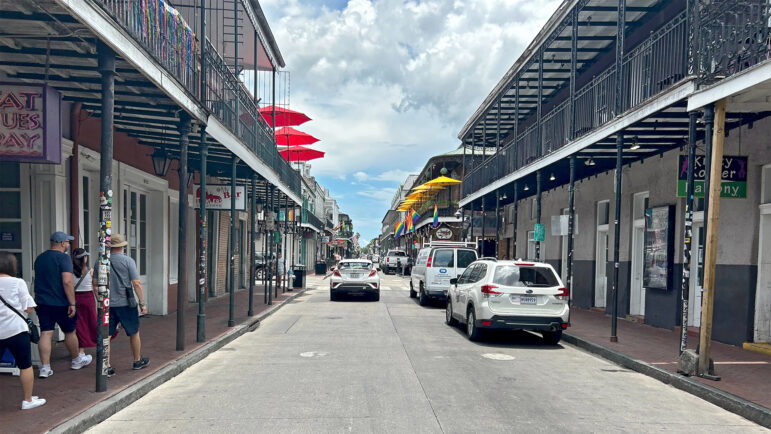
x,y
397,254
513,275
354,265
465,257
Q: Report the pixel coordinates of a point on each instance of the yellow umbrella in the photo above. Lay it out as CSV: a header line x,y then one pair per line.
x,y
442,181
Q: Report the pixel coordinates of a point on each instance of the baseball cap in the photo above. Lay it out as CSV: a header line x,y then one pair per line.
x,y
59,237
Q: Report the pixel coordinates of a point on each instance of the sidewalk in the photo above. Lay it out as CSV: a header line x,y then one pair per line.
x,y
745,374
71,392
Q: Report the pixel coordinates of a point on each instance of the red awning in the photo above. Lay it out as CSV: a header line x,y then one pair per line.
x,y
288,136
300,153
284,116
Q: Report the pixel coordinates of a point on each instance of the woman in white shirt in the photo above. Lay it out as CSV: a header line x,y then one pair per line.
x,y
14,331
85,302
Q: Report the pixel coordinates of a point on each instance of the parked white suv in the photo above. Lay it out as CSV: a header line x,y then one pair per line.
x,y
435,266
519,295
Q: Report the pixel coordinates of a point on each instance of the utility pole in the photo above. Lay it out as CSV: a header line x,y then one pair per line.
x,y
711,239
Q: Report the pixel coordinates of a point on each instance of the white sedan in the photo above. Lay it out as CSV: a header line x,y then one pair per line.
x,y
354,277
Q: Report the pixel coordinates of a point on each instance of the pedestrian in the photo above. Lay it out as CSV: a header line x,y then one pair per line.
x,y
124,281
55,298
399,266
14,331
85,327
280,270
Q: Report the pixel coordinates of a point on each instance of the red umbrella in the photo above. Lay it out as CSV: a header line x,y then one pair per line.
x,y
284,116
288,136
300,153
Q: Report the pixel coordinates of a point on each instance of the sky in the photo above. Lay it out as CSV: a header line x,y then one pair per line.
x,y
390,83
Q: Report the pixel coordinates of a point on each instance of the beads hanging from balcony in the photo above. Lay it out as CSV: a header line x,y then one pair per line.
x,y
164,29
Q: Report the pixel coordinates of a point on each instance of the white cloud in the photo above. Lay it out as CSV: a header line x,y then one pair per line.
x,y
361,176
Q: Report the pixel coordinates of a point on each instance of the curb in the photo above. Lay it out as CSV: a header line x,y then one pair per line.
x,y
113,404
747,409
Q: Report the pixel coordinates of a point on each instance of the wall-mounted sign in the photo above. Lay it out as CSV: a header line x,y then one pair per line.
x,y
30,123
325,240
734,176
7,236
443,233
539,232
559,225
659,247
218,197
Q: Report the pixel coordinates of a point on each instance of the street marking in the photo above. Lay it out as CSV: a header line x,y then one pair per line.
x,y
497,356
313,354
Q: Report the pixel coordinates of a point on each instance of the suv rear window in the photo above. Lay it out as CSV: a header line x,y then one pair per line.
x,y
443,258
513,275
466,257
397,254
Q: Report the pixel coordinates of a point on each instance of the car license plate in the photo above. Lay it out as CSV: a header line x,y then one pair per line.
x,y
524,299
355,276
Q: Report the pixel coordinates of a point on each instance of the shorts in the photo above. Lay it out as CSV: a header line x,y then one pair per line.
x,y
127,316
20,348
50,315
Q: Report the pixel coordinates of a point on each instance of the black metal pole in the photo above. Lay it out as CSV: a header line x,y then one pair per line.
x,y
571,228
514,219
232,245
184,143
538,191
497,220
687,241
285,243
107,72
253,243
471,226
269,258
202,242
266,262
482,247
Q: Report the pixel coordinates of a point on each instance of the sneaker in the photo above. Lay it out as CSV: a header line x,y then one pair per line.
x,y
81,361
45,372
141,363
110,372
34,402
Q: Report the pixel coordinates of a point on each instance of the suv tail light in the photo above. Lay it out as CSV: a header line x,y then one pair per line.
x,y
428,263
563,294
372,273
488,290
337,273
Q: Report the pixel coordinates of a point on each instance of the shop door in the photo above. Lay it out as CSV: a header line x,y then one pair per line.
x,y
135,213
637,296
600,267
89,214
697,271
763,297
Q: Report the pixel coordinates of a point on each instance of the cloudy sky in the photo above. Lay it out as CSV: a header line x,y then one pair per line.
x,y
390,83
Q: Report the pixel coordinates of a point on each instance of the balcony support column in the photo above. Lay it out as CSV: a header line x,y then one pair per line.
x,y
202,241
498,171
471,226
285,250
688,233
236,121
232,244
269,242
514,220
184,144
265,245
571,228
482,247
497,220
538,188
252,242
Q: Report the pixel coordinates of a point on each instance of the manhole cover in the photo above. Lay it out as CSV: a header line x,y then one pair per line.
x,y
497,356
313,354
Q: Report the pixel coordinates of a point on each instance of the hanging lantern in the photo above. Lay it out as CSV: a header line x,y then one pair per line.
x,y
161,162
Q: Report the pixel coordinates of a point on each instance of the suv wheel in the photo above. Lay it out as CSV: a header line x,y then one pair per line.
x,y
413,294
422,300
448,318
552,338
474,333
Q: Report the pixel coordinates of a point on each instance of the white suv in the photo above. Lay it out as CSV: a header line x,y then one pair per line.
x,y
516,295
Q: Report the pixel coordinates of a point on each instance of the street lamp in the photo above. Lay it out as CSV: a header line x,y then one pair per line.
x,y
161,162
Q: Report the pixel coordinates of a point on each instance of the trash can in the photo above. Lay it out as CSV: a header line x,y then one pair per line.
x,y
321,267
299,276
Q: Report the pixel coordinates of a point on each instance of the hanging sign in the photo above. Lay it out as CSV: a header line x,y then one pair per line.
x,y
218,197
30,123
443,233
734,176
659,247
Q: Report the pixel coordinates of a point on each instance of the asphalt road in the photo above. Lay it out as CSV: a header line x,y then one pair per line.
x,y
393,366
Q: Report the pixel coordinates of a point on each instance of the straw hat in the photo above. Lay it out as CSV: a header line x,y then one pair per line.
x,y
117,240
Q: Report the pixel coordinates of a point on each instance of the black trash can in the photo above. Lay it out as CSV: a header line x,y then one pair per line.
x,y
321,267
299,276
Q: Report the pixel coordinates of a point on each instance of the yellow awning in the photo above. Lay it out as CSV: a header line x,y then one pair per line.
x,y
442,181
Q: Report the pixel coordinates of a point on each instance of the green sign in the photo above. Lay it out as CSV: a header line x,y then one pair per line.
x,y
540,232
276,237
734,176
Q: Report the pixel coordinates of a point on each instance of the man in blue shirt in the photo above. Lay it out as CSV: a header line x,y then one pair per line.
x,y
55,298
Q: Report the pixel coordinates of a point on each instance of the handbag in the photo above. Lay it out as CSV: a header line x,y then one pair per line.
x,y
132,301
34,332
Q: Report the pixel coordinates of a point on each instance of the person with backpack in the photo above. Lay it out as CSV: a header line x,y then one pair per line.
x,y
14,330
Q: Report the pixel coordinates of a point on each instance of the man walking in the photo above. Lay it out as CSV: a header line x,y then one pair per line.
x,y
55,298
124,281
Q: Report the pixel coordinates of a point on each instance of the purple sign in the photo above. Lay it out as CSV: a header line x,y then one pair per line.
x,y
30,123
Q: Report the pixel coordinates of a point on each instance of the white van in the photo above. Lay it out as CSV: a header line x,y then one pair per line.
x,y
436,264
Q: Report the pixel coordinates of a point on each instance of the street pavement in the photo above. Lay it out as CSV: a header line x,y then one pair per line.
x,y
393,366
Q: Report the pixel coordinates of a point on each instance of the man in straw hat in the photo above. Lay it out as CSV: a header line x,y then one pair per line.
x,y
124,281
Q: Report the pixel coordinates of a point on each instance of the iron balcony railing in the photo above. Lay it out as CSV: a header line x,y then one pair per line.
x,y
173,45
311,219
655,65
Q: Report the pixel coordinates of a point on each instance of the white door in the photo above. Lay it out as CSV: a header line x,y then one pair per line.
x,y
763,293
637,293
89,214
600,267
697,269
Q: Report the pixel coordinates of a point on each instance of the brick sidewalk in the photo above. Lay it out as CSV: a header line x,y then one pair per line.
x,y
70,392
744,373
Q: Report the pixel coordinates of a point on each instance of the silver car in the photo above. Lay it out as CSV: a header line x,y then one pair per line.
x,y
354,277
